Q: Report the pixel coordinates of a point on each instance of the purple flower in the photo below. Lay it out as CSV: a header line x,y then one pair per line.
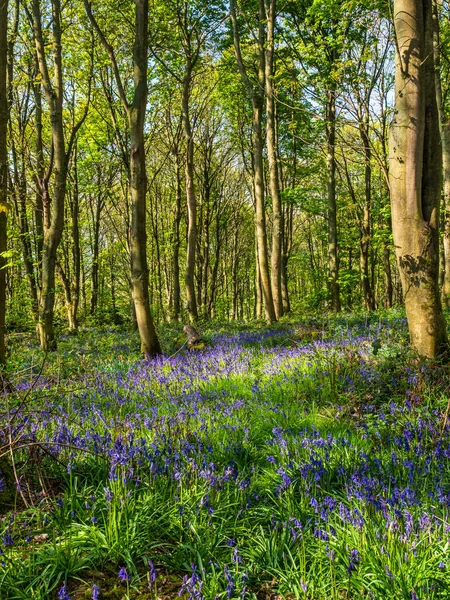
x,y
354,559
108,494
95,592
304,586
152,572
63,593
123,575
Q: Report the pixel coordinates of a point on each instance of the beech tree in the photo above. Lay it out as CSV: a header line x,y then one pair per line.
x,y
135,111
416,175
255,91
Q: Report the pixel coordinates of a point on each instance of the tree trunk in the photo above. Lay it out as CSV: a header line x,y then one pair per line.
x,y
191,199
333,269
137,173
95,253
444,126
138,187
416,174
272,154
176,242
76,251
255,93
3,171
55,223
40,173
365,228
20,201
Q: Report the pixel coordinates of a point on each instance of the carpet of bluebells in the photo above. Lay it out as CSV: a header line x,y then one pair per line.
x,y
274,463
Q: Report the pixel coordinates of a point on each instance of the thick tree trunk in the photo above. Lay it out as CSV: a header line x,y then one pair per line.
x,y
416,174
333,269
3,171
272,154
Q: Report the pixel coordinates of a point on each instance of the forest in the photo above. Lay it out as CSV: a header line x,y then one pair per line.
x,y
224,299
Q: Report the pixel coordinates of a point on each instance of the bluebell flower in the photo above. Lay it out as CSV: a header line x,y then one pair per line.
x,y
152,572
63,593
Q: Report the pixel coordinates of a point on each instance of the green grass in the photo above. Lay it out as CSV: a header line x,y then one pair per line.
x,y
275,463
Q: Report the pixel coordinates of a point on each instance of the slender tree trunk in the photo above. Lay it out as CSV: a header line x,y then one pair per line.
x,y
137,173
176,242
215,270
444,126
40,174
53,230
416,175
365,228
272,153
333,268
76,251
387,278
3,171
138,187
191,199
258,291
96,253
65,278
20,199
255,93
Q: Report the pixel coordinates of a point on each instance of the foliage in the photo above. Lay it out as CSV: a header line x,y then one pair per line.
x,y
306,461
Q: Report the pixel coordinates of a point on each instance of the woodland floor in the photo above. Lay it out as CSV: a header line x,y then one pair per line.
x,y
310,460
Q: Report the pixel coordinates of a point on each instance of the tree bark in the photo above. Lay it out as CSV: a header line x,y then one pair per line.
x,y
272,154
54,228
416,175
137,172
176,240
255,93
138,186
333,267
96,252
190,196
3,170
444,126
365,224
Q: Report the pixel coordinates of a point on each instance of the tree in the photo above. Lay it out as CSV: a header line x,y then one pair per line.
x,y
135,111
3,170
272,153
415,175
255,92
